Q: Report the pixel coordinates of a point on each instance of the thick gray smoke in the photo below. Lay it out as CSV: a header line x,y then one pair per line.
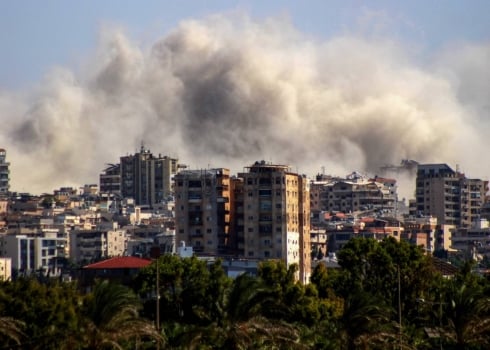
x,y
226,92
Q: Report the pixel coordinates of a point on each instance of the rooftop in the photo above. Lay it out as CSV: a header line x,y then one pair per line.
x,y
120,262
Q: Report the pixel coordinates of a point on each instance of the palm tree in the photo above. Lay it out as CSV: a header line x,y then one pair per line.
x,y
365,322
111,317
244,324
467,310
10,330
238,322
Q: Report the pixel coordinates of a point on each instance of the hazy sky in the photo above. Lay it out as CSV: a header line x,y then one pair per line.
x,y
335,85
37,35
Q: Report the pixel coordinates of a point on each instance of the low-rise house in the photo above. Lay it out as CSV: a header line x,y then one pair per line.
x,y
121,269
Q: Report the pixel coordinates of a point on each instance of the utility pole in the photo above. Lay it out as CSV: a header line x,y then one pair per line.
x,y
399,309
155,253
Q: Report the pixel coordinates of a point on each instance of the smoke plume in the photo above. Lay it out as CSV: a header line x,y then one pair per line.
x,y
225,92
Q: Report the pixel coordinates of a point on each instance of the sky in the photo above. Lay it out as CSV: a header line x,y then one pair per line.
x,y
336,85
37,35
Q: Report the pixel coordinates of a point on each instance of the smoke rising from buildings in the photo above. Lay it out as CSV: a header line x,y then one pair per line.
x,y
225,92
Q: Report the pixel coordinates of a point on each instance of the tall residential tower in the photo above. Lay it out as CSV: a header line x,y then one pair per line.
x,y
4,173
273,219
448,195
202,210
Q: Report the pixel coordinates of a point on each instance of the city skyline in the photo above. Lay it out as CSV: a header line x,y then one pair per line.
x,y
364,85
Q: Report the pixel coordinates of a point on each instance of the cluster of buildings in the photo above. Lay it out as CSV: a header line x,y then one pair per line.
x,y
267,211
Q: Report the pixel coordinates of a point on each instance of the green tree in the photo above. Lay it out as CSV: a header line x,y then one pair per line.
x,y
242,325
183,283
48,311
10,331
110,318
365,322
467,309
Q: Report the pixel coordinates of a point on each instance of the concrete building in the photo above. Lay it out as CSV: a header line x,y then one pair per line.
x,y
474,240
147,178
110,180
356,193
30,253
202,210
448,195
4,173
339,233
276,216
93,245
5,269
144,177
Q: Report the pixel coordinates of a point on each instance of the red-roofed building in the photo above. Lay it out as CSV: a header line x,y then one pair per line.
x,y
120,269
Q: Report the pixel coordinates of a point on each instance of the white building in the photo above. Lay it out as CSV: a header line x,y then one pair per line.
x,y
29,253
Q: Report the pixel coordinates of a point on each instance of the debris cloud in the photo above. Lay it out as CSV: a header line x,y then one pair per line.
x,y
226,91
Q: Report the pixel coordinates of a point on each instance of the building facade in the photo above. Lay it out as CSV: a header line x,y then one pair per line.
x,y
5,269
276,216
29,253
144,177
4,173
448,195
93,245
354,194
202,210
110,180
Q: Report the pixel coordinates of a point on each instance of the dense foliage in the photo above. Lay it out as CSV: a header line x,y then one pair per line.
x,y
386,295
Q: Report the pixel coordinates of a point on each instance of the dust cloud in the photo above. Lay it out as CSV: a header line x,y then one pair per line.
x,y
224,92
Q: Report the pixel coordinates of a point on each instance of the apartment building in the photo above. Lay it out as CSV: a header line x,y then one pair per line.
x,y
33,253
5,269
276,215
472,240
92,245
4,173
202,210
448,195
110,180
142,176
339,233
355,193
147,178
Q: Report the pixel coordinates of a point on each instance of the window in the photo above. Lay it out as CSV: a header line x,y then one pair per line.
x,y
265,193
250,253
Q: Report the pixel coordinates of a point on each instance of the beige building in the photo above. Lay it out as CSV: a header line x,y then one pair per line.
x,y
90,245
202,210
5,269
448,195
276,216
354,194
